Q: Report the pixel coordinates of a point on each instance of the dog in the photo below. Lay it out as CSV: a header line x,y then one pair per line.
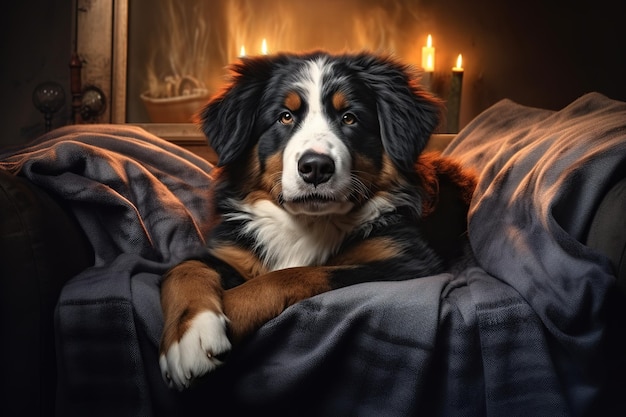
x,y
320,184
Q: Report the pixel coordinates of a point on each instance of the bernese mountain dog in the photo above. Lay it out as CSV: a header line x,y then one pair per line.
x,y
320,184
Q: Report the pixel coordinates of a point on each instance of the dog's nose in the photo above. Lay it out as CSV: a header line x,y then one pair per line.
x,y
316,168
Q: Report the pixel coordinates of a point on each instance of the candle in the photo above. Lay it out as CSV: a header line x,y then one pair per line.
x,y
459,64
428,62
264,47
242,51
454,98
428,55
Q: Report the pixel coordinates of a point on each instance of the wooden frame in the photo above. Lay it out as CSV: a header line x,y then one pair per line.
x,y
101,43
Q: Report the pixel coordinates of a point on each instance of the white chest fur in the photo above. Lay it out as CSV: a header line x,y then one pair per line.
x,y
284,240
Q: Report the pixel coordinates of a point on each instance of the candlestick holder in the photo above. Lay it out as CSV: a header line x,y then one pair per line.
x,y
454,102
427,80
48,98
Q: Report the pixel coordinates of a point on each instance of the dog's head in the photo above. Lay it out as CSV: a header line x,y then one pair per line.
x,y
320,133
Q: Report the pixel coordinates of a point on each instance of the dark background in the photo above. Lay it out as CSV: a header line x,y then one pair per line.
x,y
537,53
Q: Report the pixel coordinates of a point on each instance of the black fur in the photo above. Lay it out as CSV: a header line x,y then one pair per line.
x,y
407,114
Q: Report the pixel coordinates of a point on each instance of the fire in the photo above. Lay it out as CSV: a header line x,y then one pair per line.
x,y
429,41
207,35
296,27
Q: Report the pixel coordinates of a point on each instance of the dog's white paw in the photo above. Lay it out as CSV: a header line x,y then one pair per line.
x,y
196,352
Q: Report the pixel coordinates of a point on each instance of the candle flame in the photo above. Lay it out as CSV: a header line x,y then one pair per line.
x,y
264,47
242,51
429,41
459,61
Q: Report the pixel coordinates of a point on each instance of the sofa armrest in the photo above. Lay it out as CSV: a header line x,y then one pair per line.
x,y
41,247
607,232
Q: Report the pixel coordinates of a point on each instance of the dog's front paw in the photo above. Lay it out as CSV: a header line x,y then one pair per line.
x,y
197,351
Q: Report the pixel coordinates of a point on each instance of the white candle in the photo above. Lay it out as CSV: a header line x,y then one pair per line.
x,y
428,55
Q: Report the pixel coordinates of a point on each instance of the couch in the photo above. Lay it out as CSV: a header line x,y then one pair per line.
x,y
91,216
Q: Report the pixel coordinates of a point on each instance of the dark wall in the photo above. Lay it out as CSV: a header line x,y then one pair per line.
x,y
539,53
536,52
35,38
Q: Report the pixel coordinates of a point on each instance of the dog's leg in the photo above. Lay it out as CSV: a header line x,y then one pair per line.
x,y
195,325
257,301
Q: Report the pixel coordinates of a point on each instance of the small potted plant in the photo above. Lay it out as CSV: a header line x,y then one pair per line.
x,y
177,92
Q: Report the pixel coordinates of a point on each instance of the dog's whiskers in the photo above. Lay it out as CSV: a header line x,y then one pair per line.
x,y
276,179
358,190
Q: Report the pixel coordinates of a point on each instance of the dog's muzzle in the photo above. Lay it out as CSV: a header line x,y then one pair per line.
x,y
318,194
315,168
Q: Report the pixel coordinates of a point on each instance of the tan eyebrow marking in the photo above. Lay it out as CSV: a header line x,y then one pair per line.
x,y
340,101
293,101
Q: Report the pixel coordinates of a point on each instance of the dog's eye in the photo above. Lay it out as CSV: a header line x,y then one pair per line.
x,y
286,118
348,119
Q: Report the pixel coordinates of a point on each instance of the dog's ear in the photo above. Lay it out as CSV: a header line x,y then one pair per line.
x,y
407,113
229,118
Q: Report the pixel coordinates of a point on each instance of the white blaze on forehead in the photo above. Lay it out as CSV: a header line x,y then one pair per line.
x,y
315,134
314,74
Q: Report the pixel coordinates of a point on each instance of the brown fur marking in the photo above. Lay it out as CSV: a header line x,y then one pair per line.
x,y
272,293
247,264
293,101
372,250
340,101
433,170
271,180
389,175
188,289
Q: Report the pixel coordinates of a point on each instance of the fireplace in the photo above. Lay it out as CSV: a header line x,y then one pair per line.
x,y
148,54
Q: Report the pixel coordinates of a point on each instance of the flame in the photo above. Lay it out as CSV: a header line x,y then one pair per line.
x,y
459,61
242,51
264,47
429,41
